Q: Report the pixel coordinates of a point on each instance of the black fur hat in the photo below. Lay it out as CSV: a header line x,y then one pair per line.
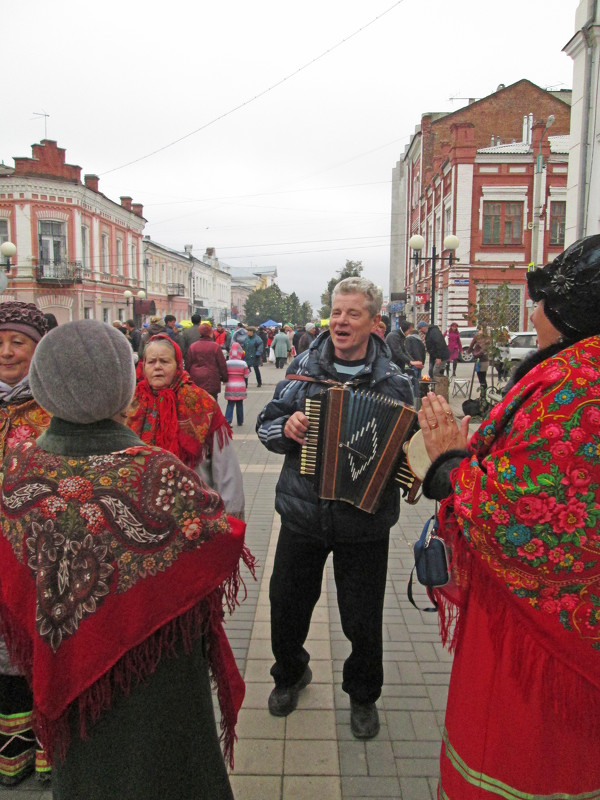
x,y
570,289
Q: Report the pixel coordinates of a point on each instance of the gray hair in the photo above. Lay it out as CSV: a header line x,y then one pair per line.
x,y
356,285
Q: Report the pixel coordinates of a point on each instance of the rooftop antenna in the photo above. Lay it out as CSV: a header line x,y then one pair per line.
x,y
43,114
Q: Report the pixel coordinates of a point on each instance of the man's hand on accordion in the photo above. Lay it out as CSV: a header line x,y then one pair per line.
x,y
296,427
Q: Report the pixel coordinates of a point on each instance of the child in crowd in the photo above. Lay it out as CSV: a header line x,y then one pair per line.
x,y
235,389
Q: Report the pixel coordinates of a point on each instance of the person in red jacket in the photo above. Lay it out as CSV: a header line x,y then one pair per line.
x,y
206,363
222,338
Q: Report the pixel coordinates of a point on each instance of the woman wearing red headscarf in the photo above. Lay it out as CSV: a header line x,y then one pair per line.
x,y
170,411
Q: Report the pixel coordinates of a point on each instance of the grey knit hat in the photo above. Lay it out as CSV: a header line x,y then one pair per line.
x,y
83,371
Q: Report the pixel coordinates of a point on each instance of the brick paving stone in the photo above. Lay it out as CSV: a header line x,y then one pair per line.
x,y
416,789
353,758
380,758
375,788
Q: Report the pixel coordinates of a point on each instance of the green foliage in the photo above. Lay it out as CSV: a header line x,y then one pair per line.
x,y
270,303
492,313
353,269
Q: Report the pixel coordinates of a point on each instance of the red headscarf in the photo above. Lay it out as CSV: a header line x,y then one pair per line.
x,y
181,418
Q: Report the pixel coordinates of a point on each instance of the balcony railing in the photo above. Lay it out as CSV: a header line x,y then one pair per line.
x,y
175,290
59,272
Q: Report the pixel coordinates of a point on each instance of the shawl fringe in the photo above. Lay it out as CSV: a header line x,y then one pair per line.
x,y
138,664
562,691
452,598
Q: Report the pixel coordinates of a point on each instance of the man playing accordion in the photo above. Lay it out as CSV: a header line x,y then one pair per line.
x,y
311,528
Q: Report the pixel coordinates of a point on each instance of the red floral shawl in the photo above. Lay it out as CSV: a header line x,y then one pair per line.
x,y
524,524
106,561
181,418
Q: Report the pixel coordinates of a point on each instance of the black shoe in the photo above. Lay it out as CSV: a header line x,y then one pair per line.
x,y
284,699
364,720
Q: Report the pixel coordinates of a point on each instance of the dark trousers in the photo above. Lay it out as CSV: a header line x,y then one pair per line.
x,y
257,374
239,411
360,574
280,361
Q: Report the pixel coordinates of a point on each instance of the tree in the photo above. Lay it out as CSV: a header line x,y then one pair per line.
x,y
270,303
306,313
291,305
263,304
492,313
352,269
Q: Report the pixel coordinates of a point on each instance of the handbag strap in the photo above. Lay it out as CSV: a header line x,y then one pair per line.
x,y
428,589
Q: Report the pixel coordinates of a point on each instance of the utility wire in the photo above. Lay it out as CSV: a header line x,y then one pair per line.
x,y
259,95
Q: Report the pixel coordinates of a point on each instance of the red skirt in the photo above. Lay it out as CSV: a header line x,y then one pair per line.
x,y
503,736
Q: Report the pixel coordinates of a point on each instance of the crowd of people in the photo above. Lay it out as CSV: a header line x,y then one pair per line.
x,y
122,535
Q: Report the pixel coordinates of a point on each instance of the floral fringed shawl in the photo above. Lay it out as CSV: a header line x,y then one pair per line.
x,y
107,560
523,612
181,418
21,421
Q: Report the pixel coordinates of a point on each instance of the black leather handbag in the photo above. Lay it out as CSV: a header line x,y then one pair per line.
x,y
431,563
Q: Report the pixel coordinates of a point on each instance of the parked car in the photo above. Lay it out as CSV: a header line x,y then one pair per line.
x,y
466,337
520,344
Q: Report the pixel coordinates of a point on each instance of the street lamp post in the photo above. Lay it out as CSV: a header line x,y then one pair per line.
x,y
416,243
127,294
7,250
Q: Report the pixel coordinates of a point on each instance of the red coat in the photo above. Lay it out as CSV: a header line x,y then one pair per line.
x,y
206,364
523,522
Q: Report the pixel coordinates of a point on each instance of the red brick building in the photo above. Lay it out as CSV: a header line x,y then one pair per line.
x,y
77,250
494,174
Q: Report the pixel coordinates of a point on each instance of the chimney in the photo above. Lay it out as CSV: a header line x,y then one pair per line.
x,y
126,203
187,249
91,182
138,209
210,252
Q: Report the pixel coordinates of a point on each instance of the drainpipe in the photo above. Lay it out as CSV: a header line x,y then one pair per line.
x,y
587,92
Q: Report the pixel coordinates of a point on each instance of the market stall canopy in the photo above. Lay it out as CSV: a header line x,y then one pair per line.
x,y
270,323
231,322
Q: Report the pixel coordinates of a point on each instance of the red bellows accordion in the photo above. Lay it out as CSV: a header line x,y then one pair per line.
x,y
354,446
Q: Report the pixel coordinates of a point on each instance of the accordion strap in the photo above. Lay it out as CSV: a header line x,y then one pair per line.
x,y
326,381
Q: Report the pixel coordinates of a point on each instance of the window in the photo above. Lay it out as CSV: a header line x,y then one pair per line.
x,y
491,223
502,223
513,223
105,315
120,257
105,253
3,231
85,246
52,242
558,212
133,271
489,293
447,221
87,312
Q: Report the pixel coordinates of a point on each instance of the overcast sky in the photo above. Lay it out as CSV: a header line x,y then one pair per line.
x,y
289,116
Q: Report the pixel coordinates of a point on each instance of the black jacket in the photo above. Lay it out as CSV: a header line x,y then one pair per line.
x,y
296,499
436,344
415,347
396,341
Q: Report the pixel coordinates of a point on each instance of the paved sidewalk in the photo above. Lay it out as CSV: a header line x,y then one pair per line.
x,y
312,753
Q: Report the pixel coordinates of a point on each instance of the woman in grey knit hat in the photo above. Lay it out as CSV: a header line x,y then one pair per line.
x,y
115,564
